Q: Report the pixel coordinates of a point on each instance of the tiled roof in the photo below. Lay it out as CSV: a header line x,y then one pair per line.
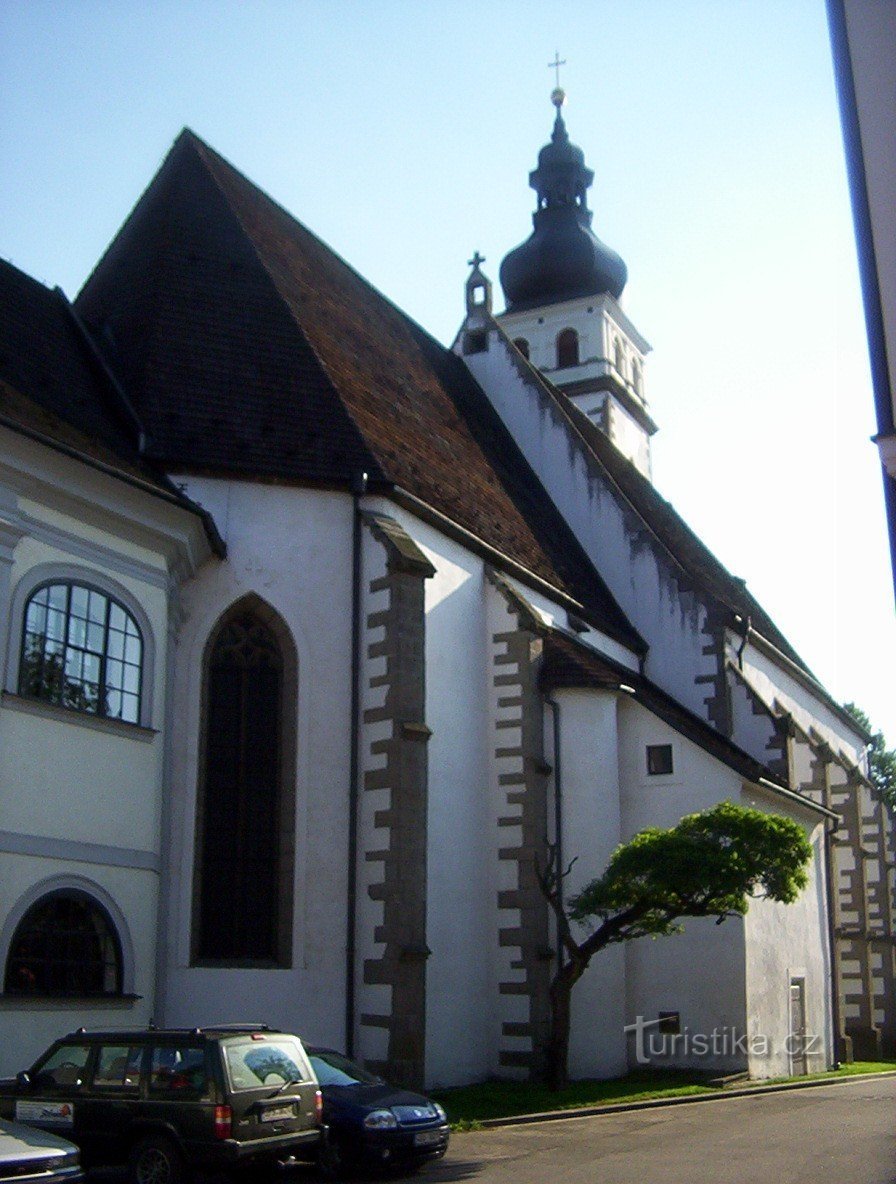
x,y
49,383
54,389
568,663
251,349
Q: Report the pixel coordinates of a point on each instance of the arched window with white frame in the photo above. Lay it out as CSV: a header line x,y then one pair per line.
x,y
81,649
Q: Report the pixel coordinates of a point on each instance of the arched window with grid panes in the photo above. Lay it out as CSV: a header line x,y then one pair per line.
x,y
83,650
64,946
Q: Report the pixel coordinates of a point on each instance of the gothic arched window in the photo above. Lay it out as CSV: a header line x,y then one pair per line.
x,y
246,810
619,358
65,945
522,345
81,649
567,349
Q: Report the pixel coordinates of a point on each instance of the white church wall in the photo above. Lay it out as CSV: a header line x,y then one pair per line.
x,y
639,575
699,973
291,547
557,617
785,943
460,893
591,831
773,682
630,438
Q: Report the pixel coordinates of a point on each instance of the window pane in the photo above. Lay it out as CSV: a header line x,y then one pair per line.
x,y
130,708
95,637
114,675
36,618
117,617
132,679
116,643
80,597
179,1069
98,604
65,1066
56,625
57,597
113,704
77,631
118,1066
132,650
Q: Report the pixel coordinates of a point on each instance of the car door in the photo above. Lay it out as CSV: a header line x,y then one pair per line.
x,y
54,1098
107,1107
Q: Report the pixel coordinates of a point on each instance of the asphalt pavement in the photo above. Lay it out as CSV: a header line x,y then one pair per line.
x,y
842,1133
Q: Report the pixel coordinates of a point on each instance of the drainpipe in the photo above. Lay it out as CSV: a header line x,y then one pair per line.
x,y
358,489
830,829
558,810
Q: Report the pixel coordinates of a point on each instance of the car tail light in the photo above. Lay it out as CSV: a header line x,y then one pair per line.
x,y
318,1107
223,1122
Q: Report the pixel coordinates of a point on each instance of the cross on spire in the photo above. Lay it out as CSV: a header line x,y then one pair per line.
x,y
476,260
556,64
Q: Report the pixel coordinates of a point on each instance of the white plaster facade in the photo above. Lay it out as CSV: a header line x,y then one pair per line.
x,y
81,797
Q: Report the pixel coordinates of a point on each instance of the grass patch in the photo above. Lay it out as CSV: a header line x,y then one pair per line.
x,y
469,1105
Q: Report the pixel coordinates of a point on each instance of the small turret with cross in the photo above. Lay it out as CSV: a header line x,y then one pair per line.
x,y
479,287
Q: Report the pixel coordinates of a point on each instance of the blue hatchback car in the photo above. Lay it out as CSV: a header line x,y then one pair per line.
x,y
372,1123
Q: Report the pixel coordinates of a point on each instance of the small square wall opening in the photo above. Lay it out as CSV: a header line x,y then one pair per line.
x,y
659,759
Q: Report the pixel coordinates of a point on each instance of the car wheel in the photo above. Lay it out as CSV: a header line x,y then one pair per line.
x,y
156,1160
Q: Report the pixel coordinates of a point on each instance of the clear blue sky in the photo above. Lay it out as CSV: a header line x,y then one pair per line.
x,y
402,133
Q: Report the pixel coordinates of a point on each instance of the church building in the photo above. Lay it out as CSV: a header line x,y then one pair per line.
x,y
315,633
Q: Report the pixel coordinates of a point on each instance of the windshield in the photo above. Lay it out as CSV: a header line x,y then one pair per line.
x,y
274,1060
334,1069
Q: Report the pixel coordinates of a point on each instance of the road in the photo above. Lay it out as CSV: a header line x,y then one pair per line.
x,y
837,1134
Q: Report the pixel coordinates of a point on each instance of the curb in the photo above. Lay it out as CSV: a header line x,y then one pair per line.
x,y
652,1103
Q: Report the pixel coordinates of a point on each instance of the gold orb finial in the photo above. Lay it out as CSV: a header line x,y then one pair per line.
x,y
558,97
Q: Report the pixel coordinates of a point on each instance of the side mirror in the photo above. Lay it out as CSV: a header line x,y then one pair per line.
x,y
24,1079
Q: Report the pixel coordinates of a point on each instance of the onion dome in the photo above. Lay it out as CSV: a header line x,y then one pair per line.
x,y
563,258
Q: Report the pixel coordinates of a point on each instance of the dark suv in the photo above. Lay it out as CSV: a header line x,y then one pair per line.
x,y
164,1101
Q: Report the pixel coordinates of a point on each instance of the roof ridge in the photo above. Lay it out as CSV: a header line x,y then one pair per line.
x,y
594,439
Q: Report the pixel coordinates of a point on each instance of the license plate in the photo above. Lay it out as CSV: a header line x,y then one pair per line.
x,y
277,1113
427,1138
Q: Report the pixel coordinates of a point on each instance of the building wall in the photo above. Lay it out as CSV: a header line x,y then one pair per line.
x,y
686,656
81,796
700,972
292,548
592,829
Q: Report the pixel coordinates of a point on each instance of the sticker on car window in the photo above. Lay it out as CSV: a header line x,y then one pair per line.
x,y
46,1113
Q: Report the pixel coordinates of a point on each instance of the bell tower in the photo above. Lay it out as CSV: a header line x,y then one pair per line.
x,y
562,287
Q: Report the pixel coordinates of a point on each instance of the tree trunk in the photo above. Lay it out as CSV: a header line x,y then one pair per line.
x,y
556,1068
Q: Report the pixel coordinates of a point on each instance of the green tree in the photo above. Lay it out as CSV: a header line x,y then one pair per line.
x,y
881,760
710,865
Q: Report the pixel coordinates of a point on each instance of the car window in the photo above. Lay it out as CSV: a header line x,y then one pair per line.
x,y
178,1069
65,1066
118,1066
271,1061
333,1069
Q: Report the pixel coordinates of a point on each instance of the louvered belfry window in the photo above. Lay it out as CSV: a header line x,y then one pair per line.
x,y
239,874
